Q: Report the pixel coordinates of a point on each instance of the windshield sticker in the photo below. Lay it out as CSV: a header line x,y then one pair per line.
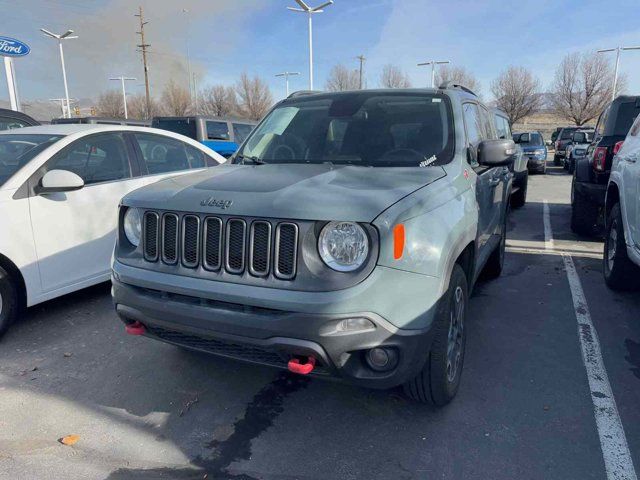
x,y
428,161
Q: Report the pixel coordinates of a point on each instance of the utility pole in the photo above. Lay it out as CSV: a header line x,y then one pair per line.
x,y
122,79
286,76
362,58
433,64
615,75
143,46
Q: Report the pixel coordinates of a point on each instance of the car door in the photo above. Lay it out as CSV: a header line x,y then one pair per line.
x,y
486,180
74,232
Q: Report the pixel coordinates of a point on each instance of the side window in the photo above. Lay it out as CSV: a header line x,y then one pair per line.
x,y
96,158
502,127
8,123
241,131
162,154
473,128
217,130
197,158
487,124
602,121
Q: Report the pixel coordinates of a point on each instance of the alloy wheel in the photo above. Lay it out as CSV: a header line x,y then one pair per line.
x,y
456,334
612,244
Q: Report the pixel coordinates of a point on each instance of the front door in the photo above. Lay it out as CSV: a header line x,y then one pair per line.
x,y
74,232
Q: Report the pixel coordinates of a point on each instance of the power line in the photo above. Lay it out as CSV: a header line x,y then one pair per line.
x,y
143,46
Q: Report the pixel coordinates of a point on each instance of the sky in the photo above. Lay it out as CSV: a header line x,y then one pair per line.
x,y
224,38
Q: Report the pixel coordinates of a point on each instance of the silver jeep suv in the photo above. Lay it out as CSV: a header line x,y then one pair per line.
x,y
341,240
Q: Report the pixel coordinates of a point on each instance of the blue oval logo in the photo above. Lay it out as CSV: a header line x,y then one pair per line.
x,y
10,47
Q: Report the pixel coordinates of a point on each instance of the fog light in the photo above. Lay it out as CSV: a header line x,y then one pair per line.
x,y
382,359
347,326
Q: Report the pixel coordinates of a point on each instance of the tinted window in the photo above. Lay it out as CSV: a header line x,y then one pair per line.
x,y
372,129
627,113
196,158
241,131
183,126
18,150
96,158
164,154
567,133
602,121
217,130
8,123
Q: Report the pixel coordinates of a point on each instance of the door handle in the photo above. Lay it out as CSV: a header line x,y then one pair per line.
x,y
495,181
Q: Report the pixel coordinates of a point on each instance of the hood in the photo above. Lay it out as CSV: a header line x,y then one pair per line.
x,y
305,192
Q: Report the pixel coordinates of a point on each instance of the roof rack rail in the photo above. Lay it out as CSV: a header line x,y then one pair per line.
x,y
451,84
303,93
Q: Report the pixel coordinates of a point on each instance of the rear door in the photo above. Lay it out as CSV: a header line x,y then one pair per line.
x,y
74,232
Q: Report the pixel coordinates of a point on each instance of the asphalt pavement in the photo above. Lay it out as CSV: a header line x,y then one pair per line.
x,y
525,409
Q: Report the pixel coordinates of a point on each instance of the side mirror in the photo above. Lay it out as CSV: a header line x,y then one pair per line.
x,y
56,181
496,153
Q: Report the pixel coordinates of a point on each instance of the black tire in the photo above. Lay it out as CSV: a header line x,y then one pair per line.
x,y
495,264
620,273
8,301
556,160
584,214
439,379
519,198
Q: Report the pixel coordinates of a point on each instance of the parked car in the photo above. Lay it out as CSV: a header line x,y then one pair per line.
x,y
622,216
223,135
10,119
580,142
534,149
563,139
101,121
60,186
591,174
519,166
554,135
343,240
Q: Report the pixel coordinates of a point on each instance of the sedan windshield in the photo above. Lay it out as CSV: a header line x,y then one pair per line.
x,y
17,150
370,129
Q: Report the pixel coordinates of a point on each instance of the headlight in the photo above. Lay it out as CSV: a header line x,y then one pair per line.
x,y
133,226
580,152
538,152
343,246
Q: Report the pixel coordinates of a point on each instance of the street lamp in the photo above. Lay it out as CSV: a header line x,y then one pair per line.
x,y
310,11
122,79
286,76
433,64
615,75
65,36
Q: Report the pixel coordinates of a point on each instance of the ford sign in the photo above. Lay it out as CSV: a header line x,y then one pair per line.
x,y
10,47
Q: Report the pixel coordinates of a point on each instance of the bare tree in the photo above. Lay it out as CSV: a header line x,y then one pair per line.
x,y
393,77
137,107
341,78
517,93
583,86
458,75
110,104
255,97
175,99
218,100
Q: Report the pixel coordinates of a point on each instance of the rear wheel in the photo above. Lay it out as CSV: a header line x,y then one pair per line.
x,y
8,301
519,198
439,379
620,273
584,214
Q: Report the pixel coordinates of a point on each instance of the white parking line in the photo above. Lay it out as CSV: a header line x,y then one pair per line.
x,y
613,442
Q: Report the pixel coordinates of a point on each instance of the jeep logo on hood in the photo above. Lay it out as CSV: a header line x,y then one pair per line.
x,y
212,202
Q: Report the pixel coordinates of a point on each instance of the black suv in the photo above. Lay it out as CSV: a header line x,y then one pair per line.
x,y
591,174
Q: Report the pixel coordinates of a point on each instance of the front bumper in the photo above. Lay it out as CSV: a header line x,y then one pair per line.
x,y
536,164
270,336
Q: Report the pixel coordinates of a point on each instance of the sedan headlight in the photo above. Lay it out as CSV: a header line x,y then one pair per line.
x,y
343,246
133,226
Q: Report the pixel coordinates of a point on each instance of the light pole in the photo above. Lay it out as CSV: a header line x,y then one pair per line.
x,y
433,64
122,79
615,75
286,76
65,36
310,11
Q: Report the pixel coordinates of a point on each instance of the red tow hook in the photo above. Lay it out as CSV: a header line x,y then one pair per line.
x,y
295,366
135,328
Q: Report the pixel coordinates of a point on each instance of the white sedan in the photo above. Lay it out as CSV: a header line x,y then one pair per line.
x,y
60,186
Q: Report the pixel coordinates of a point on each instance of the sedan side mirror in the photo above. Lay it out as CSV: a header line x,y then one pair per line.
x,y
496,153
56,181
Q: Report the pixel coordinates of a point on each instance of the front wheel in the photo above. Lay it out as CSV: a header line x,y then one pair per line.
x,y
620,273
584,214
8,301
439,379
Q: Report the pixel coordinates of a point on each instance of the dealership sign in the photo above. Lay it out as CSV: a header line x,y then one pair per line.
x,y
10,47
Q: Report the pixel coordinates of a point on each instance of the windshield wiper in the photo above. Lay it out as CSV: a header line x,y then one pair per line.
x,y
254,160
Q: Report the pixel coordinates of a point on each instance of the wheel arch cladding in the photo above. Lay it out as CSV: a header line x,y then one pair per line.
x,y
613,197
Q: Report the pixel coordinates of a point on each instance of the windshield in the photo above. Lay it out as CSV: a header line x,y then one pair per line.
x,y
567,133
535,139
361,128
17,150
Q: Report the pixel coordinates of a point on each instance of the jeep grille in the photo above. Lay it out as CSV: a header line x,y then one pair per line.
x,y
258,247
